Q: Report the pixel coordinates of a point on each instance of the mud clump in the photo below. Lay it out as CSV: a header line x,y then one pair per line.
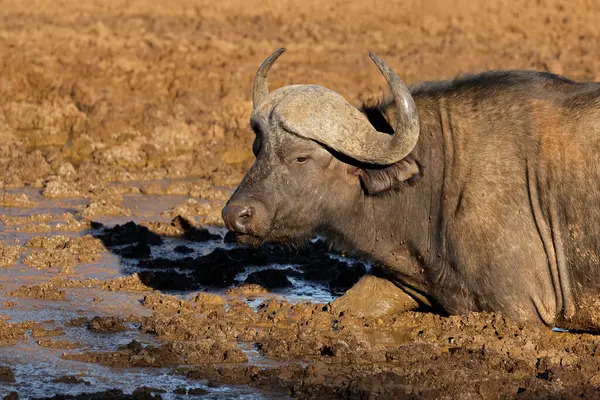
x,y
191,391
113,394
38,332
247,290
269,278
138,250
360,301
105,206
183,249
128,283
59,188
129,233
9,254
106,325
206,212
11,396
63,252
71,380
163,280
6,374
8,199
11,332
43,291
59,344
200,303
136,354
45,222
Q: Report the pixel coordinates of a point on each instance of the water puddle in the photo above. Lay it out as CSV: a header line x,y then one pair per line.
x,y
37,369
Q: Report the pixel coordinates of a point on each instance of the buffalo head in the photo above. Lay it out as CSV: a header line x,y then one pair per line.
x,y
317,157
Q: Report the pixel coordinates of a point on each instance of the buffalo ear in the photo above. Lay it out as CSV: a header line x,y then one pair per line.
x,y
380,179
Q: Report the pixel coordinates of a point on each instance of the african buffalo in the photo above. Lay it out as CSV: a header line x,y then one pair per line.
x,y
480,193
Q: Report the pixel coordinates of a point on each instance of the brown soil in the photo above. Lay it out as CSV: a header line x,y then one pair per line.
x,y
43,291
62,252
105,100
11,332
59,344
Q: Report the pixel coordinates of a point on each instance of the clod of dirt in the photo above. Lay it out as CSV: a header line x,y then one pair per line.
x,y
139,250
171,229
128,233
6,374
9,254
208,302
269,278
373,297
168,304
106,324
59,344
77,322
105,206
63,252
135,354
60,188
113,394
38,332
168,280
8,199
207,212
197,392
71,380
247,290
65,222
183,249
11,396
43,291
132,283
192,232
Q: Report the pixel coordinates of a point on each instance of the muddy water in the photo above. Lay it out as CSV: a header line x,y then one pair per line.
x,y
38,368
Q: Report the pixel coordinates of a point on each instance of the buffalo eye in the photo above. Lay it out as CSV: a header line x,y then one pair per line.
x,y
301,159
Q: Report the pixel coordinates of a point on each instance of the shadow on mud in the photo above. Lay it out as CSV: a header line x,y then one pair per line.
x,y
179,267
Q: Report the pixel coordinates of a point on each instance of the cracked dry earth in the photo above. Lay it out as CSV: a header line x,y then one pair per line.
x,y
124,129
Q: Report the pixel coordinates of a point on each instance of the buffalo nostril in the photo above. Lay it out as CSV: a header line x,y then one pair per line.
x,y
238,218
244,219
246,213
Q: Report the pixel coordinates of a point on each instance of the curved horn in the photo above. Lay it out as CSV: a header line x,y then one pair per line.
x,y
260,88
406,131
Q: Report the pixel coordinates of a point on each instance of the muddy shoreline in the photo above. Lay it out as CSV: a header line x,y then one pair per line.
x,y
177,299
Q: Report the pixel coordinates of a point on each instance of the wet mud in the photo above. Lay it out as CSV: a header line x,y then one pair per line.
x,y
124,129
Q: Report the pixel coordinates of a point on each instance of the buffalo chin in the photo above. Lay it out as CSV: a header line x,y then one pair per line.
x,y
248,240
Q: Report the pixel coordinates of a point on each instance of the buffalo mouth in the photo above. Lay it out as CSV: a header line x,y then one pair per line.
x,y
249,240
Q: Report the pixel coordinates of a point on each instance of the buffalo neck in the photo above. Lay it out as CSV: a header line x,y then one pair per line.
x,y
402,229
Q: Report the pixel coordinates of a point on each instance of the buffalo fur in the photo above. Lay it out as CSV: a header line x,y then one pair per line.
x,y
380,179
